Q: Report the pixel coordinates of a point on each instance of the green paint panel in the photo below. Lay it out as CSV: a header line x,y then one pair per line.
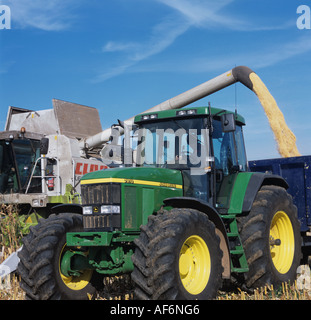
x,y
139,202
161,175
147,203
131,212
238,192
223,196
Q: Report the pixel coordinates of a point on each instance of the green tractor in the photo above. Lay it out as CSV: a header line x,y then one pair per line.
x,y
185,216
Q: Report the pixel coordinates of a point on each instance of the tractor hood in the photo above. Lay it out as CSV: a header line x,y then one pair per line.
x,y
161,177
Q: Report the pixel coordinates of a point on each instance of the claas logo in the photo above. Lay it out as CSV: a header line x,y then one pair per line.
x,y
83,168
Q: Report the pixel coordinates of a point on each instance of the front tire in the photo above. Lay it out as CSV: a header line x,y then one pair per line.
x,y
178,256
271,238
40,259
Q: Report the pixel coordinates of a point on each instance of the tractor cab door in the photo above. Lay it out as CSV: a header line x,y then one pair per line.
x,y
230,159
197,174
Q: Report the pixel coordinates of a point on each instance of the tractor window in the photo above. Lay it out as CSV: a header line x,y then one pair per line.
x,y
224,149
239,140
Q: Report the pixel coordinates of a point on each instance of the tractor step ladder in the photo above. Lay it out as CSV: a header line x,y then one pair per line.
x,y
238,258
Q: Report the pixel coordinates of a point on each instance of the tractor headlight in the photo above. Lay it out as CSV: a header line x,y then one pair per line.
x,y
149,116
186,112
110,209
88,210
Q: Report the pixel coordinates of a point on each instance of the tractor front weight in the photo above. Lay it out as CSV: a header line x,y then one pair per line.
x,y
106,252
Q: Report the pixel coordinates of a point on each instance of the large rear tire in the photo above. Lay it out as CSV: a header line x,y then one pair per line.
x,y
40,259
178,256
271,238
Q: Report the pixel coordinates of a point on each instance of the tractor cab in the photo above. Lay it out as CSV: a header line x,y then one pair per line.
x,y
205,144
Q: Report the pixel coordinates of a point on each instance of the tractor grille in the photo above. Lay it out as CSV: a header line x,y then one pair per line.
x,y
101,193
96,195
107,222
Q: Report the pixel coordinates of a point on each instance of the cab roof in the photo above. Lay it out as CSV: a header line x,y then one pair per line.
x,y
186,112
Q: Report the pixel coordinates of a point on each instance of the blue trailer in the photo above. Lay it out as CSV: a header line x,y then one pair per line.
x,y
297,172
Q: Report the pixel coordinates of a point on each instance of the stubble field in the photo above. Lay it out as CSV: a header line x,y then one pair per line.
x,y
12,229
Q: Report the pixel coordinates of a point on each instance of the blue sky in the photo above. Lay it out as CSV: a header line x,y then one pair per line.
x,y
125,56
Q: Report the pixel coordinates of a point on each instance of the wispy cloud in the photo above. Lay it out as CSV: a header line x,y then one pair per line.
x,y
161,37
256,58
112,72
283,51
186,14
263,57
204,13
201,14
52,15
113,46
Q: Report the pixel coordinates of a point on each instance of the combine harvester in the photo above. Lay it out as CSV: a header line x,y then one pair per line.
x,y
182,214
41,161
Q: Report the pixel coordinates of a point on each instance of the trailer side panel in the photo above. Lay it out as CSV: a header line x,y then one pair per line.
x,y
297,172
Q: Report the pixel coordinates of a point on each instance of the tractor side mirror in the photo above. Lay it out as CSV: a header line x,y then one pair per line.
x,y
228,122
44,146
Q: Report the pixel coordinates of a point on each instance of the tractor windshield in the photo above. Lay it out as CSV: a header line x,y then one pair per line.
x,y
17,158
174,144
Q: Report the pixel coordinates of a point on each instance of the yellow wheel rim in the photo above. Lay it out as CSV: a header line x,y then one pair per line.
x,y
75,283
282,242
194,264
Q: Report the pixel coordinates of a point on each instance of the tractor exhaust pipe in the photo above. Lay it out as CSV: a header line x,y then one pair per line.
x,y
237,74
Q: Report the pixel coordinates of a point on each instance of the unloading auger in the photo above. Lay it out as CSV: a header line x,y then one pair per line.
x,y
237,74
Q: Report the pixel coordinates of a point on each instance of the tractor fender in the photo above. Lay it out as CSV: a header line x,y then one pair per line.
x,y
202,206
256,181
70,208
